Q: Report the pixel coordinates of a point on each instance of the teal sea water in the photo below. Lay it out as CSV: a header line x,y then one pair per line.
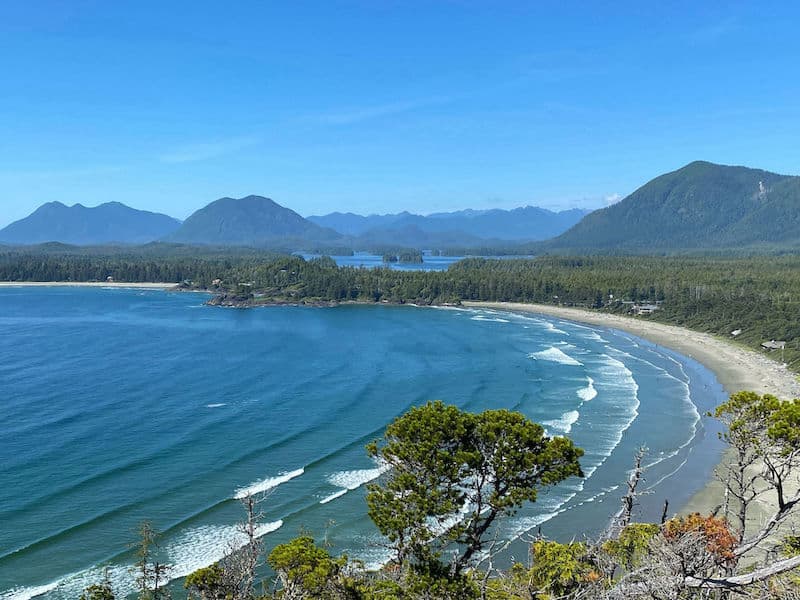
x,y
124,405
372,261
429,262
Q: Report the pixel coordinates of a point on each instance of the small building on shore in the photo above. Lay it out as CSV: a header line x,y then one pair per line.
x,y
773,345
645,309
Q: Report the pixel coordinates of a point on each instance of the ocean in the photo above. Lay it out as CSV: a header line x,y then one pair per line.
x,y
125,405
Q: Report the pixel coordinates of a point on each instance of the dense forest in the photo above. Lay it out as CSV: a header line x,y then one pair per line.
x,y
758,295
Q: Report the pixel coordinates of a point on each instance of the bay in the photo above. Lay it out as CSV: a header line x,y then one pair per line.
x,y
124,405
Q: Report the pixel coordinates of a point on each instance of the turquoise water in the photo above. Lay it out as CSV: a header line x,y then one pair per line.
x,y
124,405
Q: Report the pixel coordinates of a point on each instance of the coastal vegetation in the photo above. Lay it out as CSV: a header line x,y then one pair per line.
x,y
451,474
758,297
403,256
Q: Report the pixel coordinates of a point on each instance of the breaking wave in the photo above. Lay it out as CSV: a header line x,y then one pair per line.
x,y
589,392
556,355
264,485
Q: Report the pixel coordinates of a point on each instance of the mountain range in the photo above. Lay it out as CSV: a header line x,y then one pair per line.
x,y
107,223
256,221
520,224
699,207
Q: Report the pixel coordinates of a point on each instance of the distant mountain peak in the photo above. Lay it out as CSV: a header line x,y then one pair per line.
x,y
698,206
78,225
248,221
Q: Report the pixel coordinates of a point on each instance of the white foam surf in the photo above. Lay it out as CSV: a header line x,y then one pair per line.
x,y
264,485
691,408
333,496
589,392
556,355
26,593
191,550
613,375
353,479
492,319
203,546
565,423
596,337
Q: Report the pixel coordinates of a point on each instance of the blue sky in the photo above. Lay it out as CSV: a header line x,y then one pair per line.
x,y
382,106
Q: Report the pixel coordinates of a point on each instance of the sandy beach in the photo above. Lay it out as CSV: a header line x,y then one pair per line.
x,y
736,367
95,284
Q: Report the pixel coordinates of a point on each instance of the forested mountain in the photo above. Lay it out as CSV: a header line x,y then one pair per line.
x,y
250,221
701,206
527,223
80,225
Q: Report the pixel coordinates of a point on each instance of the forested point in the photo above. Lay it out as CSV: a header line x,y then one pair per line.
x,y
757,297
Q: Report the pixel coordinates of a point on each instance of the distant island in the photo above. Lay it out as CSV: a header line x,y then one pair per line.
x,y
408,257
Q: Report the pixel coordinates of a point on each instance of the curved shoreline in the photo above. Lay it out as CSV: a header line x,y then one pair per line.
x,y
735,367
90,284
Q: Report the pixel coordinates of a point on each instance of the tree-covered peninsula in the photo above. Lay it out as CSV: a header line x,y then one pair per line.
x,y
757,298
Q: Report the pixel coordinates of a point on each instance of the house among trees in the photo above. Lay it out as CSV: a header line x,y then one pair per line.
x,y
773,345
645,309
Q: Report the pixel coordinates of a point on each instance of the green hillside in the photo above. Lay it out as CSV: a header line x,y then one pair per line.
x,y
250,221
700,206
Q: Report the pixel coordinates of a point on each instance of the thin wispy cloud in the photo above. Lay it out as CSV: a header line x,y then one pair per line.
x,y
208,149
366,113
585,202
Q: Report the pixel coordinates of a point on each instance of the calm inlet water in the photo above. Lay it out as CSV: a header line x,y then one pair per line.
x,y
373,261
124,405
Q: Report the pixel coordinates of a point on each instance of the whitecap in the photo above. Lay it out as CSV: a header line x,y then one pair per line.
x,y
259,487
26,593
565,423
217,405
614,376
334,496
589,392
553,329
355,478
203,546
518,527
596,337
193,549
554,354
489,319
